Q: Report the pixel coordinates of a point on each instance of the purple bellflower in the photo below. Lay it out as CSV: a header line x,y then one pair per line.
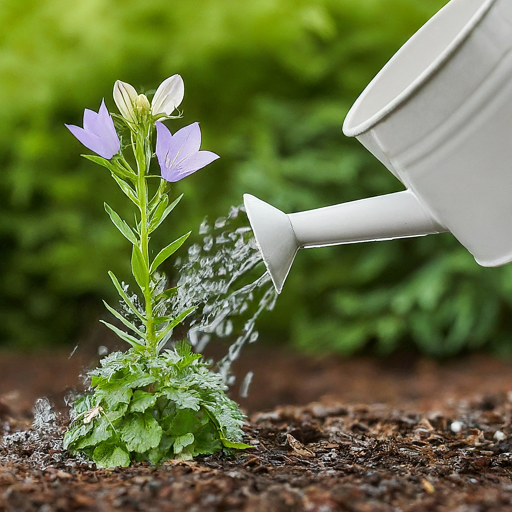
x,y
98,133
178,154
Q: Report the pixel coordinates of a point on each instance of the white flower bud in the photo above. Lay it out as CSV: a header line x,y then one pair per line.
x,y
125,96
168,96
142,105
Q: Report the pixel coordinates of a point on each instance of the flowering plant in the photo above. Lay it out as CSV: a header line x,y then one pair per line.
x,y
149,403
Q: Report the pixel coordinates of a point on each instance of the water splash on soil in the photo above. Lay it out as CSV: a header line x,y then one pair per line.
x,y
41,445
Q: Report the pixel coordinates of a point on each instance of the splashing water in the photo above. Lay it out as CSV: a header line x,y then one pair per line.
x,y
41,446
218,277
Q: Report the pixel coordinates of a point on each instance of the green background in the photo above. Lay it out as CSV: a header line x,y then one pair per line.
x,y
271,82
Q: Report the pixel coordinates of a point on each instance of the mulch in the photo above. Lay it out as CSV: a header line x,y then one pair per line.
x,y
361,435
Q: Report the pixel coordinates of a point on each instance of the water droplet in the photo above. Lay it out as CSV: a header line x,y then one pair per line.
x,y
244,387
220,222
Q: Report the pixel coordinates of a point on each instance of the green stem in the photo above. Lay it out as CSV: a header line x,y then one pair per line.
x,y
141,156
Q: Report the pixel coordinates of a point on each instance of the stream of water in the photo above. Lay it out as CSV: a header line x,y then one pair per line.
x,y
224,277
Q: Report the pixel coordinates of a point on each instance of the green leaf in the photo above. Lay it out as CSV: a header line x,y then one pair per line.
x,y
237,446
121,225
139,268
182,442
162,212
207,440
124,296
167,294
139,380
154,221
101,432
124,336
168,251
141,432
74,434
168,328
100,161
108,455
183,422
114,395
126,189
183,399
124,320
142,400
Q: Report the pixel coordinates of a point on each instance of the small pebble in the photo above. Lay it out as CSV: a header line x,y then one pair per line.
x,y
499,435
456,427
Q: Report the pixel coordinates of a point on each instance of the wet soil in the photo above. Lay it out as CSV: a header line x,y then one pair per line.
x,y
404,434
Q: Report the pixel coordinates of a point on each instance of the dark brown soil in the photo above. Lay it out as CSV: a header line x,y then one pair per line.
x,y
362,435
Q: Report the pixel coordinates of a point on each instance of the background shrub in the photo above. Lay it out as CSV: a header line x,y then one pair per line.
x,y
271,82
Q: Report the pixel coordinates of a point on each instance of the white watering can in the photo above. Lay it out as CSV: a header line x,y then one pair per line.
x,y
439,117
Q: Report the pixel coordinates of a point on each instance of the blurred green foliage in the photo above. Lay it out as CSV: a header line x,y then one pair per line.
x,y
271,82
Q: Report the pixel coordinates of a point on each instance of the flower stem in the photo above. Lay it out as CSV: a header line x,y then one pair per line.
x,y
142,152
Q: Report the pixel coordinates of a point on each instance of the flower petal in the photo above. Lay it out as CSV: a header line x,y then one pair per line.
x,y
185,142
198,161
99,133
90,141
124,96
163,142
168,96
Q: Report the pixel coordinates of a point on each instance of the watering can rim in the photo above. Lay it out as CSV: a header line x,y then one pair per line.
x,y
420,80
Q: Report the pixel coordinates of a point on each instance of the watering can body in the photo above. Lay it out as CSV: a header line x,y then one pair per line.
x,y
439,117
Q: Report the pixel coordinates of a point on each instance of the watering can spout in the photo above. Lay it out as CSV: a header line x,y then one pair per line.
x,y
275,237
279,236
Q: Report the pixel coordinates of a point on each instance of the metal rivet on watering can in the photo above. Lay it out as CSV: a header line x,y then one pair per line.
x,y
439,117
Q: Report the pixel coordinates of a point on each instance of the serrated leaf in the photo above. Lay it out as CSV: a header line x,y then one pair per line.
x,y
182,442
124,336
166,210
124,296
183,399
130,193
140,380
75,434
114,395
168,251
101,432
121,225
141,432
108,455
183,421
142,400
139,268
126,322
207,440
155,455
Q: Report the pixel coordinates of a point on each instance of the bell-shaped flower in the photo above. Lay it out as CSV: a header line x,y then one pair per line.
x,y
178,154
124,97
167,98
98,133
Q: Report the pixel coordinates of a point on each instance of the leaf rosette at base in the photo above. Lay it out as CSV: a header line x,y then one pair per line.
x,y
153,408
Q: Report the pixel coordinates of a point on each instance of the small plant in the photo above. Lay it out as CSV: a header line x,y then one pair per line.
x,y
149,403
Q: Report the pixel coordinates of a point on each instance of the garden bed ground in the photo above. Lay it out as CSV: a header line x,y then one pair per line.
x,y
403,434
